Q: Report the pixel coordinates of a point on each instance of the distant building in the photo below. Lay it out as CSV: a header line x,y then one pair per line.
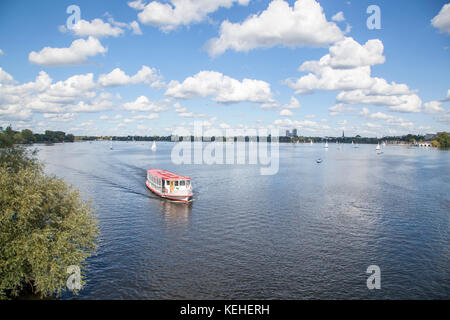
x,y
343,134
288,134
294,133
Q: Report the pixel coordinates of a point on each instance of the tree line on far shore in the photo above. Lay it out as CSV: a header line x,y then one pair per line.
x,y
440,140
26,136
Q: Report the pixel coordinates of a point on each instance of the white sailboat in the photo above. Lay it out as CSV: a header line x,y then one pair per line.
x,y
111,146
378,147
326,144
311,142
154,146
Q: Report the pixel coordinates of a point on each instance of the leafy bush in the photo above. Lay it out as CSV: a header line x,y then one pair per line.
x,y
45,227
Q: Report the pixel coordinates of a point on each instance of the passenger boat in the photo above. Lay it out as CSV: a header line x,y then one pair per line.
x,y
169,185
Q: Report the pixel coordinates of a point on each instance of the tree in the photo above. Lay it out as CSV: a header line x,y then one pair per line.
x,y
28,136
443,140
7,138
69,138
45,227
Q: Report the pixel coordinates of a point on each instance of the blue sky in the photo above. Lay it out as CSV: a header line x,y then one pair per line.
x,y
148,67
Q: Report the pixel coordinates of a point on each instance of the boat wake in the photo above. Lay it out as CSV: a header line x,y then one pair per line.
x,y
108,182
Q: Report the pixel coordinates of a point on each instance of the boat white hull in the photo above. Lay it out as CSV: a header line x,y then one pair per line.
x,y
173,197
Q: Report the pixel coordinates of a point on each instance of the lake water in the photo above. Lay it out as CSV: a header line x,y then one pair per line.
x,y
308,232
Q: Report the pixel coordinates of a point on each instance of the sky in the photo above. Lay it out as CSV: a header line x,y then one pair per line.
x,y
373,68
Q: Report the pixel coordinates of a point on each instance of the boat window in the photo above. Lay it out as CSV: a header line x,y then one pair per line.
x,y
168,183
182,182
176,183
188,183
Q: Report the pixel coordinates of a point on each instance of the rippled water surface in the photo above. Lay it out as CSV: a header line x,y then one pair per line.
x,y
308,232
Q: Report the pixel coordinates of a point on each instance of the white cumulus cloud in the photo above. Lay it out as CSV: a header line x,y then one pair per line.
x,y
338,17
171,14
117,77
5,76
142,103
293,104
224,89
347,67
96,28
77,53
286,113
433,107
304,24
442,20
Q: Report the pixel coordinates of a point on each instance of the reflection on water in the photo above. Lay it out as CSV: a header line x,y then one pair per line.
x,y
175,213
308,232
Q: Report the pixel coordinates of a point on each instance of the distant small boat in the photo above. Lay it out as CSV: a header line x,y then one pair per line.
x,y
154,146
311,142
319,160
111,146
384,143
326,145
378,147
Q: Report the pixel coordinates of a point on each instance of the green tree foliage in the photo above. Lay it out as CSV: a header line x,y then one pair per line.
x,y
69,138
28,136
5,140
45,227
443,141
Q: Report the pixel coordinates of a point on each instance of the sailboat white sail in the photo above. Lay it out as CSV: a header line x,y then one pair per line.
x,y
111,146
378,147
154,146
326,144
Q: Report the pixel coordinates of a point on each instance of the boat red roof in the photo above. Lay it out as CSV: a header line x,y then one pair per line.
x,y
166,175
